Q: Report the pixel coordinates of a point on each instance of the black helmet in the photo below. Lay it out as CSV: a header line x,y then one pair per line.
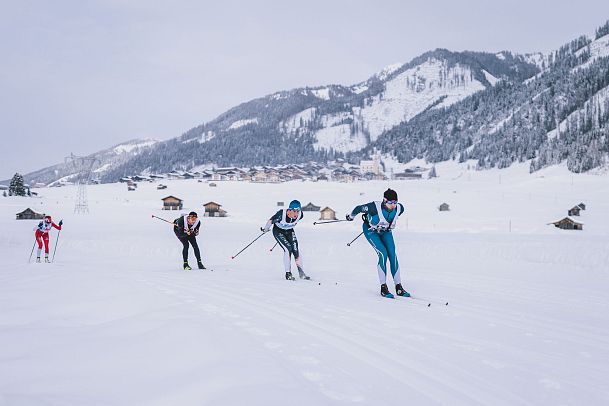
x,y
192,214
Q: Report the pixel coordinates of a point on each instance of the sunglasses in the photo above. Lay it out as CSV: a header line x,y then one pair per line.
x,y
391,202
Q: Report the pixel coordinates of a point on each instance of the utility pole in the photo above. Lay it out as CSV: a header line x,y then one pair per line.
x,y
83,167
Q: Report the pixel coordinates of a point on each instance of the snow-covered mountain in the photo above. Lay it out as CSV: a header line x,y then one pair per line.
x,y
498,108
320,123
105,161
560,114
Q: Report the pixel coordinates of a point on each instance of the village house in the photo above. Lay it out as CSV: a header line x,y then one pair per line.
x,y
29,214
172,203
327,214
407,175
568,224
213,209
310,207
444,207
574,211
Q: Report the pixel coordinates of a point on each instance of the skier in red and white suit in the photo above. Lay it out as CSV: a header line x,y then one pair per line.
x,y
42,235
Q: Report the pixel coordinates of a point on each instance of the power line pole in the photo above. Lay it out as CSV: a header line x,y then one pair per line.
x,y
83,167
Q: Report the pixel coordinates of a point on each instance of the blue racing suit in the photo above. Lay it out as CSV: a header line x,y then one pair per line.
x,y
377,226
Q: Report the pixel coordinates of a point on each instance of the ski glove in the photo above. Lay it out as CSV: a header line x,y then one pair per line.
x,y
60,223
349,217
264,229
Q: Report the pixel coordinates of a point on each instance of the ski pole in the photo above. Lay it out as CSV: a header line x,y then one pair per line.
x,y
55,248
162,219
31,253
244,248
273,246
327,222
358,236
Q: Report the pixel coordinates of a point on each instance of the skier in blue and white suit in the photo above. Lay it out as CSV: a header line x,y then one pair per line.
x,y
283,223
379,219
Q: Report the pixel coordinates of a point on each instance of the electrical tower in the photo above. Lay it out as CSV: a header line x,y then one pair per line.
x,y
83,168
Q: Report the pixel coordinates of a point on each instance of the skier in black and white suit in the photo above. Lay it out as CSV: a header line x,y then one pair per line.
x,y
186,229
283,223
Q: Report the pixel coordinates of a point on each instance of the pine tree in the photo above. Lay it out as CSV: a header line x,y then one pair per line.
x,y
16,187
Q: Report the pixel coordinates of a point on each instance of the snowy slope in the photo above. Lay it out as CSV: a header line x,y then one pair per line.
x,y
432,83
106,160
114,321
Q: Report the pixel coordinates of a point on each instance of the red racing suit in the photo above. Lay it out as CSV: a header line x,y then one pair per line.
x,y
42,235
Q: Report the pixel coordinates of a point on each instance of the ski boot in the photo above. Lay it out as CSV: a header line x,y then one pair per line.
x,y
399,290
38,259
46,259
385,291
289,277
303,275
200,265
187,267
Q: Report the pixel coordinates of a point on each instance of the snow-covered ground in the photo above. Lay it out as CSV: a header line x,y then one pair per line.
x,y
115,321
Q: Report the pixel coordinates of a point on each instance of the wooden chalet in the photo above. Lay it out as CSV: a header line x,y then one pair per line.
x,y
213,209
29,214
327,214
172,203
568,224
574,211
311,207
444,207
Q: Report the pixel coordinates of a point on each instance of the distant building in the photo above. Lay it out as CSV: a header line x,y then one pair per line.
x,y
160,186
172,203
311,207
373,166
131,188
407,175
212,184
444,207
213,209
29,214
281,204
327,214
574,211
568,224
582,206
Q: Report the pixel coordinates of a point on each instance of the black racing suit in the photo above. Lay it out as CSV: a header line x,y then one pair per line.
x,y
186,238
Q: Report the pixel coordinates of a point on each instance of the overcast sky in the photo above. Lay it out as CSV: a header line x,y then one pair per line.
x,y
80,76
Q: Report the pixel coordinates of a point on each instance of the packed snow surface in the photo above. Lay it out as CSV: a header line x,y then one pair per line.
x,y
115,321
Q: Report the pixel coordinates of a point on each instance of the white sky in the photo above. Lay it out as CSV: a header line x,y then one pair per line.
x,y
79,76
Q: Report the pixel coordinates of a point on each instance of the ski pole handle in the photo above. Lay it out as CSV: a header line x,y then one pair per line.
x,y
358,236
327,222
